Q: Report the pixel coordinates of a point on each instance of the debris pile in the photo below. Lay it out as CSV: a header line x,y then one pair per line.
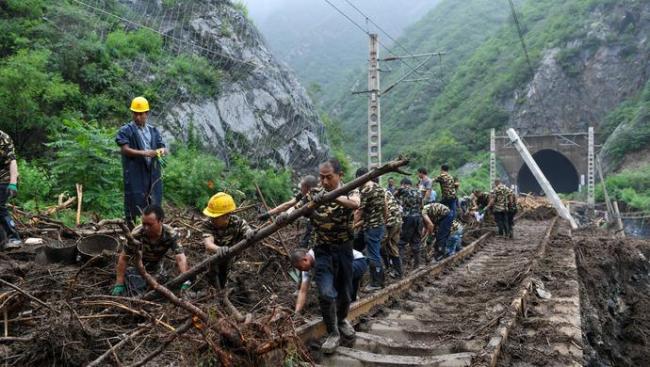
x,y
56,308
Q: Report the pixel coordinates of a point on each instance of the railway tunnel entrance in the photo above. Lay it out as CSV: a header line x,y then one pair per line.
x,y
557,168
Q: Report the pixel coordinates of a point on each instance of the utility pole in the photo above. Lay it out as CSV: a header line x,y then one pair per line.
x,y
541,179
374,93
591,202
374,108
493,157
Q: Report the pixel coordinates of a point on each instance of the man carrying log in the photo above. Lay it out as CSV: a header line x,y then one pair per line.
x,y
157,239
306,184
220,232
333,253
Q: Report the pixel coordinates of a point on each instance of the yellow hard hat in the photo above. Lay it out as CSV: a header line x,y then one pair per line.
x,y
220,204
139,104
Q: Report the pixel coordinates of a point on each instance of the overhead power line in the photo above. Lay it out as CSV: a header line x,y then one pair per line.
x,y
520,33
368,19
368,33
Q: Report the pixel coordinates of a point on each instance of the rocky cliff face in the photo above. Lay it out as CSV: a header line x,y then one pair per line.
x,y
577,86
260,110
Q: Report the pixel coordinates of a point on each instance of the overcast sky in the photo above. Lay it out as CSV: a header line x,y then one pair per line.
x,y
259,9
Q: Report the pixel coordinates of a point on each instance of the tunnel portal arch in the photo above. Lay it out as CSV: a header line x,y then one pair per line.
x,y
557,168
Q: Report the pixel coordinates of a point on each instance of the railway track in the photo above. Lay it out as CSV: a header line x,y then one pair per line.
x,y
459,319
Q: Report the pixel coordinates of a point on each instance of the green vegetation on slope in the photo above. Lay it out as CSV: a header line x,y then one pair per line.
x,y
66,78
455,27
628,127
485,64
631,186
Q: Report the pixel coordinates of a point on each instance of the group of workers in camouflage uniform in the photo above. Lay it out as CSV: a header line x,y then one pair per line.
x,y
368,228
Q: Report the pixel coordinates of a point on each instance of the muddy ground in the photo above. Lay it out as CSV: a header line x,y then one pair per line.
x,y
614,288
615,300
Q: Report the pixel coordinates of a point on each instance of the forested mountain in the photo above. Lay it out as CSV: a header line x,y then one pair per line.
x,y
588,66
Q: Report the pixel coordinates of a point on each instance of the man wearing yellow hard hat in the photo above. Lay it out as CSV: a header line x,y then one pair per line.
x,y
141,146
222,230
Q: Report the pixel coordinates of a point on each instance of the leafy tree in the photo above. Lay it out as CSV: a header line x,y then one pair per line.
x,y
32,98
35,185
86,154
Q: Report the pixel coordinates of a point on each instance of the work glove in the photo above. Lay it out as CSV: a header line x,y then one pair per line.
x,y
282,218
12,190
118,290
264,217
482,211
186,285
318,198
222,251
249,234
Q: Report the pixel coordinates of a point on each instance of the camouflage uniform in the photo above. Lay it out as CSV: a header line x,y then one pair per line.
x,y
333,251
393,225
441,217
373,209
455,237
7,154
152,255
500,196
479,201
448,191
390,242
511,212
228,237
411,201
436,212
307,239
153,252
372,206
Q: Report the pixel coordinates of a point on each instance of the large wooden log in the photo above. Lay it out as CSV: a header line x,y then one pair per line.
x,y
393,166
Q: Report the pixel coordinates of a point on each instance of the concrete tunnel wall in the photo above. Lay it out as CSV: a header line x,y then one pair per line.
x,y
565,161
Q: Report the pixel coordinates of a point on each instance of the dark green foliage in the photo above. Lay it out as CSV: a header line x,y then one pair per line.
x,y
87,154
34,186
61,66
70,59
31,98
192,177
630,186
628,127
132,44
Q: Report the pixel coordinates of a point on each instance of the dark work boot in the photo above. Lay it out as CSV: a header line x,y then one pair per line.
x,y
416,259
374,279
396,266
346,329
328,309
13,238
